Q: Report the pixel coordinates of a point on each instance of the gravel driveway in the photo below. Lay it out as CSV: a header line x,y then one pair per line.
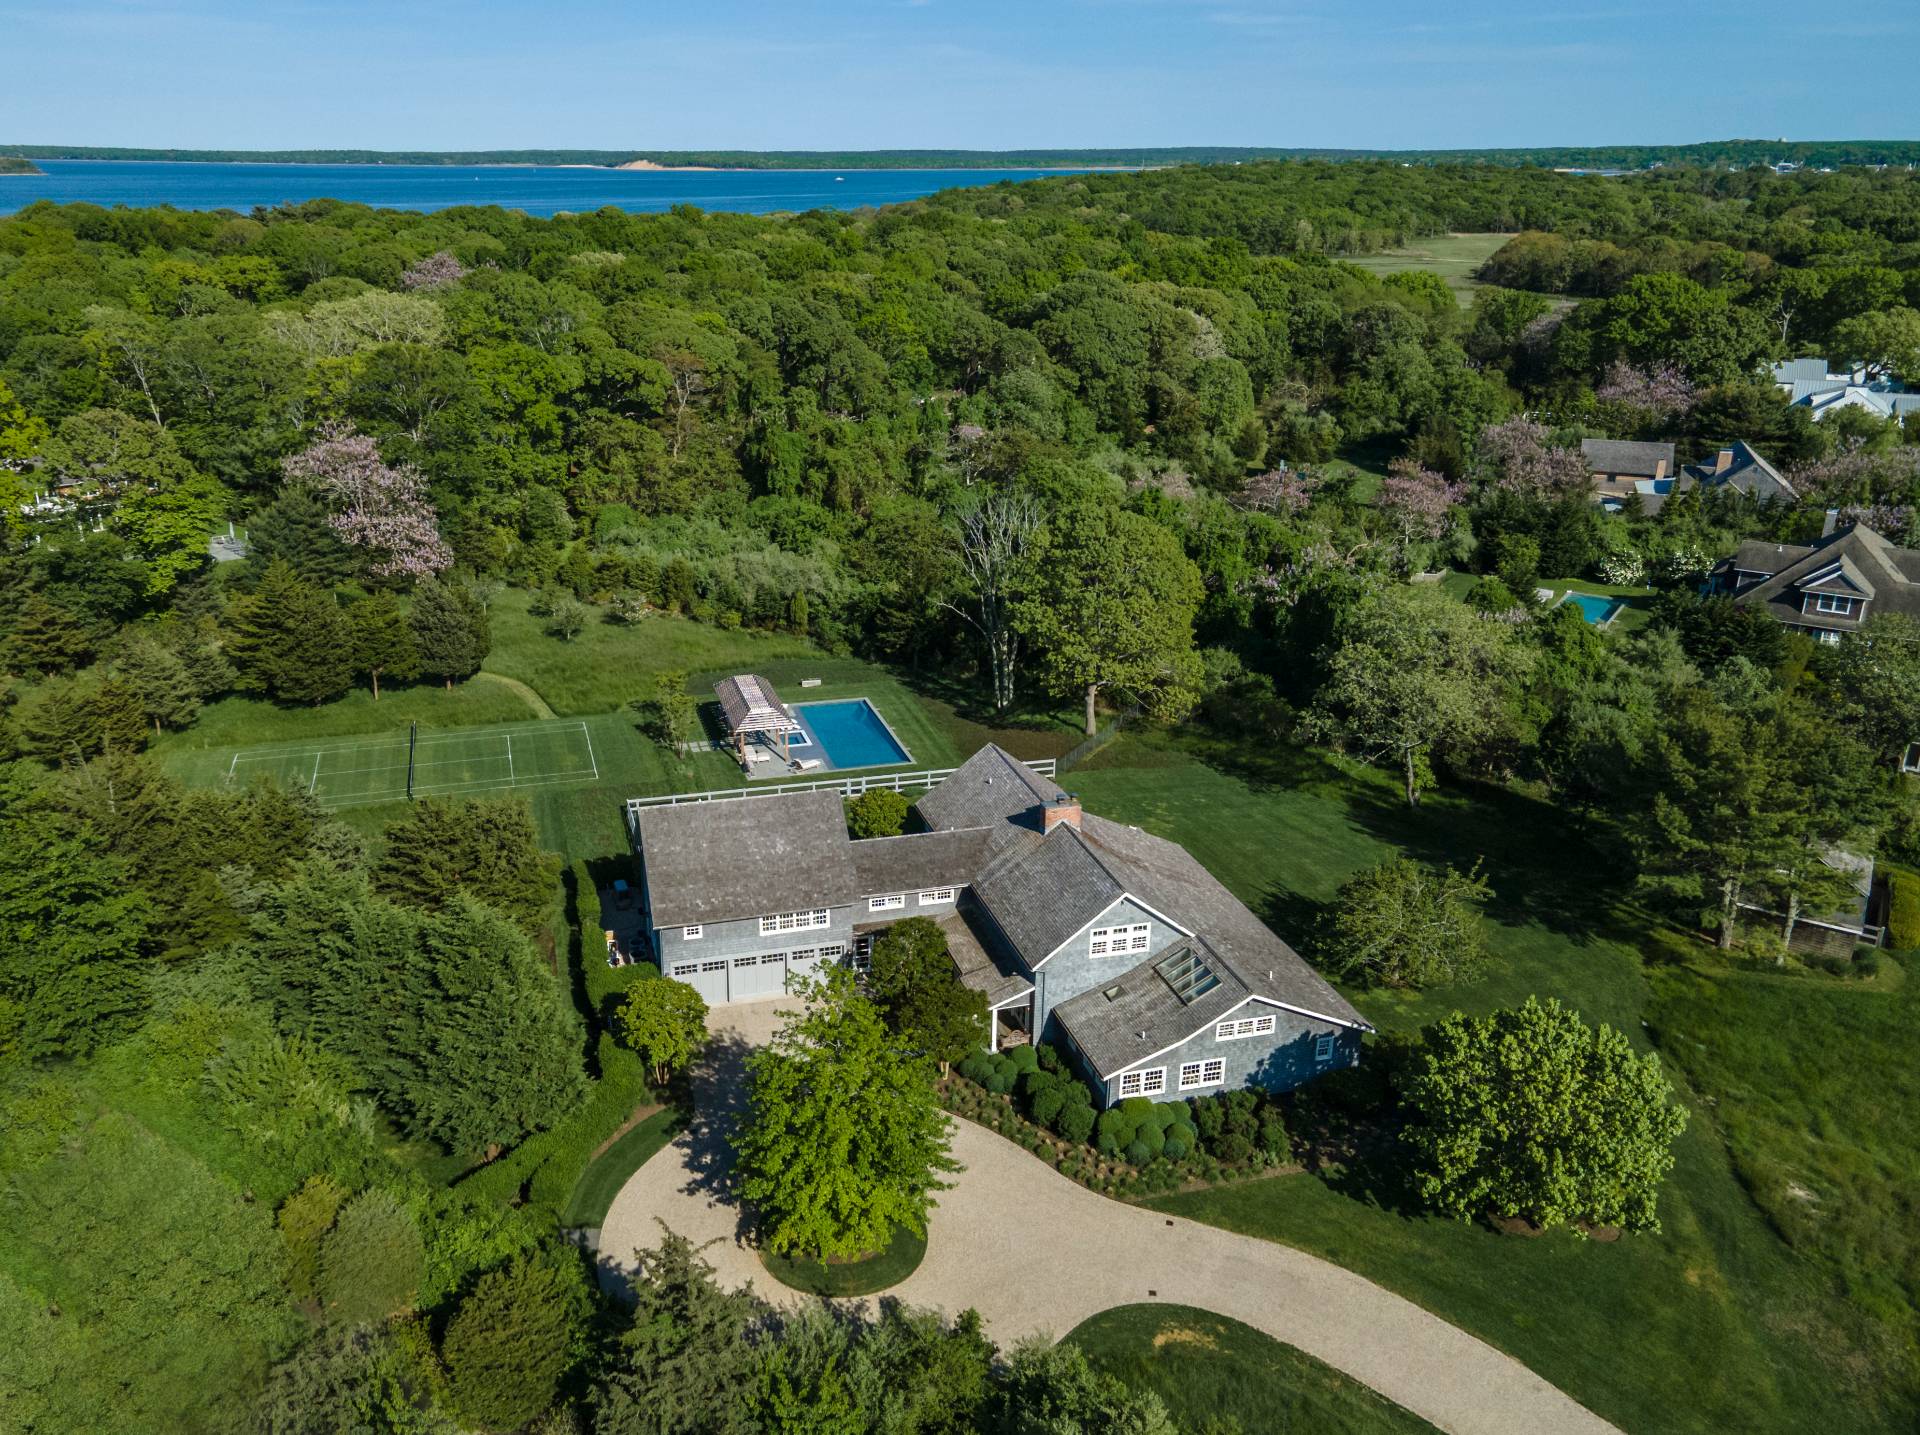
x,y
1036,1253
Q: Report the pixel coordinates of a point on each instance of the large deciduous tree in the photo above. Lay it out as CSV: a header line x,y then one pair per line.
x,y
1410,672
1530,1113
1403,924
1109,604
665,1022
995,535
914,980
844,1140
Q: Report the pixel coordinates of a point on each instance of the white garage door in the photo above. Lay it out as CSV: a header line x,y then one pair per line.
x,y
761,976
709,978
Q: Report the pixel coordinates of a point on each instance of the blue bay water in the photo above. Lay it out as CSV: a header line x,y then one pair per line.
x,y
540,190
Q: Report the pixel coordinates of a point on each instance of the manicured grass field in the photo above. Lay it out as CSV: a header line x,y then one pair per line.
x,y
612,1168
853,1278
1454,257
1713,1324
1634,615
1206,1366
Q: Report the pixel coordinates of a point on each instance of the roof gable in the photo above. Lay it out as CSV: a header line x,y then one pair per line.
x,y
990,789
749,857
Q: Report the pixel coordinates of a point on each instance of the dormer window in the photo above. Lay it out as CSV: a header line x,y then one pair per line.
x,y
1826,603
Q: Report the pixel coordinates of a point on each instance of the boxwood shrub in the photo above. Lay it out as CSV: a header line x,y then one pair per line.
x,y
1076,1121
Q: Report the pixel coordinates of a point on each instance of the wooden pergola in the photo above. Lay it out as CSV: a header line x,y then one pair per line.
x,y
752,708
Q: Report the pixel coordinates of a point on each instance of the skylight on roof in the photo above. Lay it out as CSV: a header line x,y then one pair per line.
x,y
1187,974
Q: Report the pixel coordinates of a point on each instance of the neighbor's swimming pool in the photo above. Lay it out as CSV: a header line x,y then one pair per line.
x,y
1595,609
851,734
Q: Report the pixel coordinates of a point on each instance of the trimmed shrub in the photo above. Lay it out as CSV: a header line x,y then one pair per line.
x,y
1032,1083
1176,1148
1209,1117
1075,1122
1116,1127
1024,1059
1274,1140
1152,1137
1233,1148
1050,1060
1903,909
1138,1152
1184,1130
977,1067
1001,1076
1046,1103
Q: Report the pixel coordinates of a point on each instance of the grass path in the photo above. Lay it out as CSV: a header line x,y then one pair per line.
x,y
513,685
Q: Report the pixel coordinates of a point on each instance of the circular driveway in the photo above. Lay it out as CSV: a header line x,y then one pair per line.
x,y
1035,1253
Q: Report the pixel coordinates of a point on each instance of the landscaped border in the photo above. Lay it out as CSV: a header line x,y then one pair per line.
x,y
839,1280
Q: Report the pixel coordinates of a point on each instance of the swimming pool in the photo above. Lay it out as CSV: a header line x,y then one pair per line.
x,y
850,733
1595,609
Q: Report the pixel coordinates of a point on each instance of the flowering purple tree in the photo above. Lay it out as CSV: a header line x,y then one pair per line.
x,y
1282,490
433,271
1518,455
1662,391
1856,477
1419,500
375,506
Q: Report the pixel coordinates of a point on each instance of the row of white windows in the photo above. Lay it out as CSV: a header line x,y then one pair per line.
x,y
1246,1026
1112,941
933,897
1152,1080
1823,603
765,959
796,921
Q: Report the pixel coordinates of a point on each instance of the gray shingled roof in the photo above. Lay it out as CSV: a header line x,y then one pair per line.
x,y
977,967
1143,1015
750,705
1890,575
1637,460
1749,473
1041,890
718,861
989,789
920,860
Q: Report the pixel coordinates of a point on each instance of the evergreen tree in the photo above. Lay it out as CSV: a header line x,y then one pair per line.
x,y
382,640
48,638
486,849
162,686
450,630
688,1362
372,1261
294,530
304,1219
1053,1390
510,1343
289,639
73,952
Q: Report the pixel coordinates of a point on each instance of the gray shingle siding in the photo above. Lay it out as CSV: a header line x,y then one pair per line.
x,y
1072,969
727,939
1278,1062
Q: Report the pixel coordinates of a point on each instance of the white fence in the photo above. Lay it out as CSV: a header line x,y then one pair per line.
x,y
852,785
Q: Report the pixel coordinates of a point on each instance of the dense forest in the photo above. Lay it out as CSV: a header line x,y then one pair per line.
x,y
1146,442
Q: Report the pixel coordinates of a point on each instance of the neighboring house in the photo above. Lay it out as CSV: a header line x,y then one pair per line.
x,y
1812,384
1825,589
1623,469
1113,942
1739,466
1835,933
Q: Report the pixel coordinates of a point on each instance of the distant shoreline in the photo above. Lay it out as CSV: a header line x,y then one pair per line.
x,y
630,167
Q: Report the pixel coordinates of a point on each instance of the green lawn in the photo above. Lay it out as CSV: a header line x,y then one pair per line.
x,y
850,1278
1635,615
1205,1366
612,1168
1454,257
1715,1323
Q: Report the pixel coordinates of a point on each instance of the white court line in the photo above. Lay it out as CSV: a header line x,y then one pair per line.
x,y
313,783
232,765
590,757
509,761
439,789
375,740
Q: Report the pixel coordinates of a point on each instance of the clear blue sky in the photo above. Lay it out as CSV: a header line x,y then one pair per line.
x,y
986,74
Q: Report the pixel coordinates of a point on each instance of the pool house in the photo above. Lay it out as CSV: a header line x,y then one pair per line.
x,y
754,715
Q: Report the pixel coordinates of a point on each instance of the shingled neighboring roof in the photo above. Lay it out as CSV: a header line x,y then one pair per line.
x,y
718,861
1041,890
920,860
977,967
990,789
1637,460
1138,1013
1747,472
1888,575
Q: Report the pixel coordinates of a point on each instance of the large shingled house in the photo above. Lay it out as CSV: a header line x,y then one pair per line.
x,y
1112,942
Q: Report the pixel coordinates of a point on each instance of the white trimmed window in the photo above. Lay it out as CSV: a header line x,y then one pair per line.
x,y
796,921
1150,1082
1911,761
684,970
833,953
1244,1027
1323,1048
719,966
1827,636
937,897
692,934
751,961
1825,603
1202,1073
1113,941
887,904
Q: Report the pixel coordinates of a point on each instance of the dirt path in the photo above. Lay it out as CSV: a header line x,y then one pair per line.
x,y
1035,1253
514,685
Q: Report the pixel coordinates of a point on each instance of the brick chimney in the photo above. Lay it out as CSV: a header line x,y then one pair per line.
x,y
1061,807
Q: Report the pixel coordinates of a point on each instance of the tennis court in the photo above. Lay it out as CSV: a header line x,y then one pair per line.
x,y
352,772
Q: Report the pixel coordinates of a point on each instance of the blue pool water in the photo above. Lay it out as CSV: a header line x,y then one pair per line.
x,y
1594,608
851,734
